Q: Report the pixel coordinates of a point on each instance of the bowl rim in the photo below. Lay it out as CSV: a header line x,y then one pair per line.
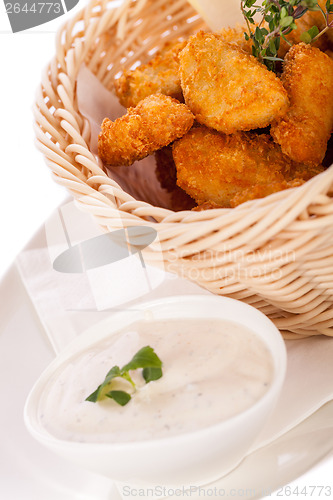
x,y
86,338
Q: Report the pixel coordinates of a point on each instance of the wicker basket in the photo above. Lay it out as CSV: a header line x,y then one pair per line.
x,y
275,253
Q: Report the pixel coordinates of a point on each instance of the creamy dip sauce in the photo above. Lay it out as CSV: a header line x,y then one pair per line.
x,y
212,370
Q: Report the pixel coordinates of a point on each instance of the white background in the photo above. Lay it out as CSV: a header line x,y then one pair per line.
x,y
27,192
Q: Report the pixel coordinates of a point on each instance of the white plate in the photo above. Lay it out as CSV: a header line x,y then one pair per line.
x,y
30,472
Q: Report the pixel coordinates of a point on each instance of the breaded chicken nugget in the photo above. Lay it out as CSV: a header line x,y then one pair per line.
x,y
259,191
158,76
219,168
304,131
236,35
228,89
295,176
156,122
263,190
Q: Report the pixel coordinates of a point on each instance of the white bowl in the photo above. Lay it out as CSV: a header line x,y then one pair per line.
x,y
194,458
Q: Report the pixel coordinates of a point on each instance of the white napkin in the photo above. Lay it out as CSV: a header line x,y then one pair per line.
x,y
68,303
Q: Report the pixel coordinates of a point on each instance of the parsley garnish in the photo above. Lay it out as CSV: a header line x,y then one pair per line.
x,y
145,358
279,17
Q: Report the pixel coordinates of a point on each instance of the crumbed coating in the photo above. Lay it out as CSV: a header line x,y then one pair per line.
x,y
252,193
304,131
156,122
263,190
236,35
158,76
226,170
226,88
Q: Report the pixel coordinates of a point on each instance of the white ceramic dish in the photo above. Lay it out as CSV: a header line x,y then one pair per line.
x,y
193,458
30,471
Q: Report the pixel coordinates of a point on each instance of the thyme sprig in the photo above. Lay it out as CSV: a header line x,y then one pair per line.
x,y
276,20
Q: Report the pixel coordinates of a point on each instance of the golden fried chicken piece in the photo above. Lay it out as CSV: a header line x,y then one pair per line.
x,y
220,168
297,175
263,190
156,122
236,35
158,76
304,131
304,172
228,89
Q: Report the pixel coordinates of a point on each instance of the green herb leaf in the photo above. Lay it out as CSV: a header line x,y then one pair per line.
x,y
150,374
146,357
286,21
97,395
305,37
309,35
310,4
283,12
259,36
126,376
120,397
94,395
114,372
314,31
273,58
272,47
